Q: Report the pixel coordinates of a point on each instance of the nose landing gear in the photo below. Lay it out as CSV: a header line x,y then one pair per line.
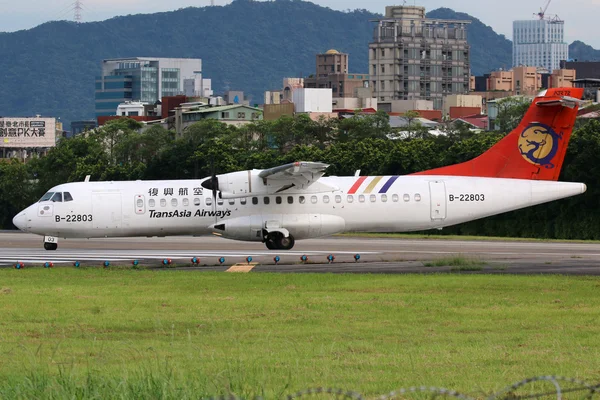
x,y
50,243
277,241
50,246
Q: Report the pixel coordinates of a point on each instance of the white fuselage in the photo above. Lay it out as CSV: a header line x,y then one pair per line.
x,y
375,204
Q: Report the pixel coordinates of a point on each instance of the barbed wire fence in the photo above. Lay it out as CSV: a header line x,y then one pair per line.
x,y
539,387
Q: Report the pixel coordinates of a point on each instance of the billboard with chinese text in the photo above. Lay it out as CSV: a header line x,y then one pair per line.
x,y
27,132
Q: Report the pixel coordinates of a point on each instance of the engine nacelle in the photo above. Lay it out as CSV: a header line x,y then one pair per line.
x,y
241,184
300,226
248,183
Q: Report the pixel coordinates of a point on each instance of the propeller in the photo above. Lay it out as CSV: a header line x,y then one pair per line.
x,y
213,185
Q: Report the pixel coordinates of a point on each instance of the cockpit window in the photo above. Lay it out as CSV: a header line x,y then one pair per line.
x,y
57,198
67,197
47,196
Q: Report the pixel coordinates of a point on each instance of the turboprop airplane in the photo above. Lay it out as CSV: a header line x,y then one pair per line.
x,y
278,206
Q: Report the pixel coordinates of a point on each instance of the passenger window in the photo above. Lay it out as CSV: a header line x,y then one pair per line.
x,y
325,199
197,202
220,202
57,198
361,198
301,200
186,202
209,201
255,200
243,201
47,196
231,202
384,198
163,202
151,203
350,199
406,198
68,197
395,198
174,202
290,199
338,198
313,199
373,198
139,203
278,199
417,197
267,200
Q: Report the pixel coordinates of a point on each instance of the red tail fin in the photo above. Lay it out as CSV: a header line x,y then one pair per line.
x,y
535,149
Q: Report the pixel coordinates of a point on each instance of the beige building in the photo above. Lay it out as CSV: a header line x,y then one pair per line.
x,y
332,73
528,81
500,80
563,78
416,58
462,100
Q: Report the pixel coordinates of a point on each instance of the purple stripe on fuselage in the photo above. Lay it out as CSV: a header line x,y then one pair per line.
x,y
388,184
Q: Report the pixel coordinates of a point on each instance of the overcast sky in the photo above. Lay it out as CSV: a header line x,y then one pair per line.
x,y
581,16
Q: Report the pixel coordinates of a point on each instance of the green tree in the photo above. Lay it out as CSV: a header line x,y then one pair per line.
x,y
511,111
17,190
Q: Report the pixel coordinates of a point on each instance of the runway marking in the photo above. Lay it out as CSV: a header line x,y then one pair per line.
x,y
242,267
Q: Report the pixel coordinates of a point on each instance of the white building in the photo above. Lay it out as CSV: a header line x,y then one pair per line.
x,y
313,100
539,43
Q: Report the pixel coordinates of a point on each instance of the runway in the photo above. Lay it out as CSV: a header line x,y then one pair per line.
x,y
376,255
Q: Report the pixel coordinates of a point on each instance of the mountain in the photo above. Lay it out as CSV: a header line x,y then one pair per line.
x,y
246,45
583,52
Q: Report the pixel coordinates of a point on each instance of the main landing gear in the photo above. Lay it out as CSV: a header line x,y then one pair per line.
x,y
277,241
50,243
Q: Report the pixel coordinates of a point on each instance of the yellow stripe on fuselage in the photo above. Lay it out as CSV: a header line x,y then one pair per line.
x,y
372,185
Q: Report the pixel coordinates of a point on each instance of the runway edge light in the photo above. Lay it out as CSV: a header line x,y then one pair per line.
x,y
356,257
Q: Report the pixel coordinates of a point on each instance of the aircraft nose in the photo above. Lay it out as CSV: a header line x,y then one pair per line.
x,y
20,221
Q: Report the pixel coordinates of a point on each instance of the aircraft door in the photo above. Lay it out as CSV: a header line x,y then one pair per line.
x,y
106,210
437,195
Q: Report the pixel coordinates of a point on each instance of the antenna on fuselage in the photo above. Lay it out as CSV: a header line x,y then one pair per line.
x,y
87,178
357,173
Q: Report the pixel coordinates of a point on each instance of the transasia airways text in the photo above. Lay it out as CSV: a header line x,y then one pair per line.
x,y
188,214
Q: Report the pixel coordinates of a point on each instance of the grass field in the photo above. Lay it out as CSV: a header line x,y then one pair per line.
x,y
95,333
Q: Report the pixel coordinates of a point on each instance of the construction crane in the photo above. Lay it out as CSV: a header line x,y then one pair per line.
x,y
542,12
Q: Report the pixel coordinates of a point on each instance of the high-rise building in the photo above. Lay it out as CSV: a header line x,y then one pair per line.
x,y
539,43
416,58
147,80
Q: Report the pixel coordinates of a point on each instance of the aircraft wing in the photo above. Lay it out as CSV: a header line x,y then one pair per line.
x,y
299,174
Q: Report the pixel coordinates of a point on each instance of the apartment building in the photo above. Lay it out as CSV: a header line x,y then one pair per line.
x,y
416,58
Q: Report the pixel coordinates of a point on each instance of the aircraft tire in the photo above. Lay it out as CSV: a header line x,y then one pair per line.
x,y
50,246
285,243
270,244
